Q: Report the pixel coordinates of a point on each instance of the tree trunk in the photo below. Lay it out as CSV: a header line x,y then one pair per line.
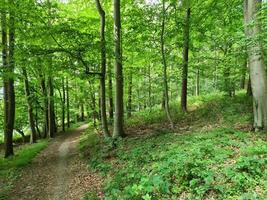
x,y
198,82
45,105
68,103
110,94
118,120
82,112
103,69
149,87
129,103
51,108
256,64
63,104
37,123
8,69
185,58
30,106
249,89
165,79
36,117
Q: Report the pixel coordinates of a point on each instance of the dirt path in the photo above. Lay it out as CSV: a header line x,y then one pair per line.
x,y
57,173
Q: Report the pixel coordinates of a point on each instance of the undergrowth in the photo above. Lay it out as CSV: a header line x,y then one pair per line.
x,y
10,167
223,161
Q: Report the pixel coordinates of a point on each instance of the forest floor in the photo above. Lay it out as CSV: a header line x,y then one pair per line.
x,y
57,173
212,153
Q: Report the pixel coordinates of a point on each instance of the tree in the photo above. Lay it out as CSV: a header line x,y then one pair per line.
x,y
118,119
256,64
8,48
68,103
63,102
103,69
165,78
30,105
185,57
110,92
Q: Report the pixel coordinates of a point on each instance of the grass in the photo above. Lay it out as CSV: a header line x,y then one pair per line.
x,y
211,155
10,168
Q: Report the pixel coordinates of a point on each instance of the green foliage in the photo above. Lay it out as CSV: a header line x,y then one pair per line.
x,y
90,196
23,156
203,111
203,162
196,165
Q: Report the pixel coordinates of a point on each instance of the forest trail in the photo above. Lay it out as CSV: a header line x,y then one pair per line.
x,y
57,173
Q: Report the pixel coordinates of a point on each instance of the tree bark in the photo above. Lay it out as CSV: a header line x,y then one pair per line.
x,y
256,64
249,89
129,103
68,103
149,87
185,58
63,104
51,108
82,112
165,79
45,105
103,69
29,99
110,94
8,81
198,82
36,117
118,120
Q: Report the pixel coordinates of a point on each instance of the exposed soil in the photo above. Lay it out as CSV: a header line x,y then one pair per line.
x,y
58,173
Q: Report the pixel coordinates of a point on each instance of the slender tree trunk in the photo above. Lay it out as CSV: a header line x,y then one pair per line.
x,y
8,69
37,122
198,82
50,86
163,100
30,106
110,94
51,108
82,112
129,103
118,120
165,79
45,105
63,104
103,69
99,105
185,58
149,87
256,64
68,103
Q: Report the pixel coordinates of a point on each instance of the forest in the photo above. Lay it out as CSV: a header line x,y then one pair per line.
x,y
133,99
